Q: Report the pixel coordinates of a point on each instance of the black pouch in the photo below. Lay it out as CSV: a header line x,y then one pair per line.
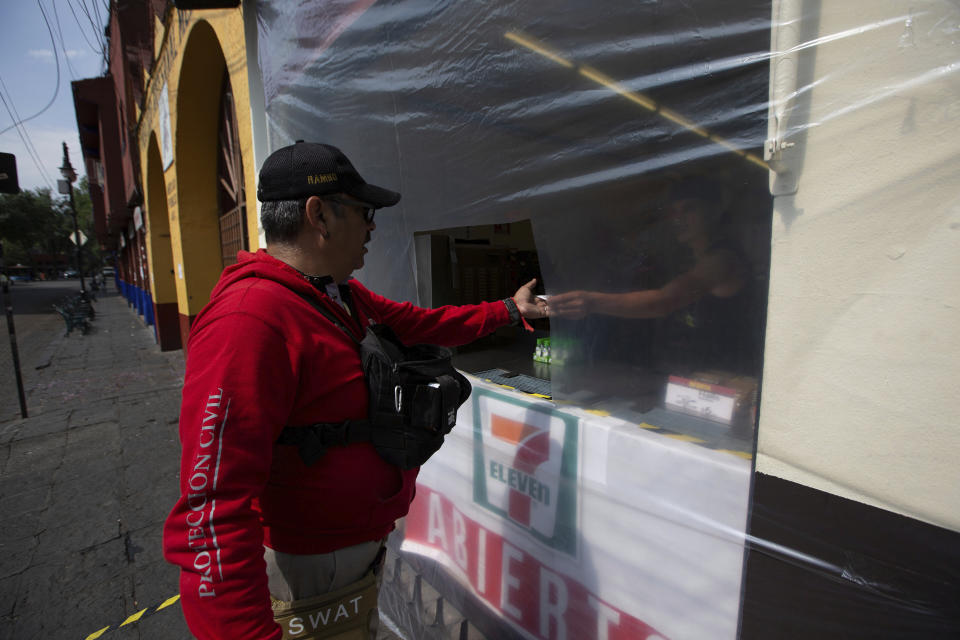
x,y
427,404
414,396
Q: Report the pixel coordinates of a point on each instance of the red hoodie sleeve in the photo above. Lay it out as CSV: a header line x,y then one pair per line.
x,y
238,390
448,326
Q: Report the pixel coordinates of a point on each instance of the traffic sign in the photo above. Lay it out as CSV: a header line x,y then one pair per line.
x,y
8,173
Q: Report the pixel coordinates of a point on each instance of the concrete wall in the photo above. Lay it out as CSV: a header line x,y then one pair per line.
x,y
863,339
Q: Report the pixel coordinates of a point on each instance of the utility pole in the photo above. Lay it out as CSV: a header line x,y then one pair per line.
x,y
66,186
11,329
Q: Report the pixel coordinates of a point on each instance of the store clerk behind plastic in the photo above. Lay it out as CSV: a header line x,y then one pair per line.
x,y
710,300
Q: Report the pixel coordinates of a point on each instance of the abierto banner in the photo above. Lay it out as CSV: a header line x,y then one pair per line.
x,y
569,524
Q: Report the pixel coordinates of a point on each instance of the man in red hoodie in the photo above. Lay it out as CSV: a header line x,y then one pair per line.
x,y
259,534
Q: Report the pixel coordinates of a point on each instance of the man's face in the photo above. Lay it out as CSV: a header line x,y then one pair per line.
x,y
349,229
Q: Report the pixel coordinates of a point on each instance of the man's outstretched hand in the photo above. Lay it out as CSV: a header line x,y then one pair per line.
x,y
530,306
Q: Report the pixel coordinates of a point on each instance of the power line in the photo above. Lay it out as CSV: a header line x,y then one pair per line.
x,y
93,23
96,12
103,33
104,25
63,44
24,137
22,131
83,31
97,29
56,90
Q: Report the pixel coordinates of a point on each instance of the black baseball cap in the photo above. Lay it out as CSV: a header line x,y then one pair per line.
x,y
313,169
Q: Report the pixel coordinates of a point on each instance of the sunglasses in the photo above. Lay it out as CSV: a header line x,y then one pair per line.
x,y
367,211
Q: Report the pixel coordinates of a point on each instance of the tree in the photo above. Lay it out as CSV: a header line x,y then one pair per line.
x,y
34,223
31,223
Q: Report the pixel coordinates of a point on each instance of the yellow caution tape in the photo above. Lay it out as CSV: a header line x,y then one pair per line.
x,y
168,602
133,618
136,617
598,412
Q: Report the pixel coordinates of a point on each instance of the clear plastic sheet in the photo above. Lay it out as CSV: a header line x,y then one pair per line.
x,y
654,151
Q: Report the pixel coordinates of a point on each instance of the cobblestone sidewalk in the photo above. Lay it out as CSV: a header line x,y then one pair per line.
x,y
88,478
86,481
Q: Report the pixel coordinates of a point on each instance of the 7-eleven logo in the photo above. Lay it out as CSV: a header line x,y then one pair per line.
x,y
532,450
525,464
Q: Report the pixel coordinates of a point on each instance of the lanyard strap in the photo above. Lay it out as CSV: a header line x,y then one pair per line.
x,y
313,302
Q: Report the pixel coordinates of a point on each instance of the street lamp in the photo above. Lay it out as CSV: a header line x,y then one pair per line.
x,y
66,186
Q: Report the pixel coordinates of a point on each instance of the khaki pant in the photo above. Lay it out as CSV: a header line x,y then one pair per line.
x,y
332,596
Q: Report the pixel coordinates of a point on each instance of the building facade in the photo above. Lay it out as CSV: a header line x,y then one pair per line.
x,y
195,150
667,500
169,156
107,110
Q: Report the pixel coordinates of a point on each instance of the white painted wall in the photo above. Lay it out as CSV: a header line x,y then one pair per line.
x,y
861,390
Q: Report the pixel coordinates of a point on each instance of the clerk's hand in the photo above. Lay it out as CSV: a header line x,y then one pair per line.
x,y
530,306
572,304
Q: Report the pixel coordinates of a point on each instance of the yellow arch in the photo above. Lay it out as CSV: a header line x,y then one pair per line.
x,y
186,83
163,287
195,161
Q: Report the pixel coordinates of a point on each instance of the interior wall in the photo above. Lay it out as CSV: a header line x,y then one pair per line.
x,y
516,235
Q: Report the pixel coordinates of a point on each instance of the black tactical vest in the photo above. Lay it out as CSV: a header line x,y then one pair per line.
x,y
414,396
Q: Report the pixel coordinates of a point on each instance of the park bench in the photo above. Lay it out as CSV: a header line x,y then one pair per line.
x,y
74,319
77,312
82,304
